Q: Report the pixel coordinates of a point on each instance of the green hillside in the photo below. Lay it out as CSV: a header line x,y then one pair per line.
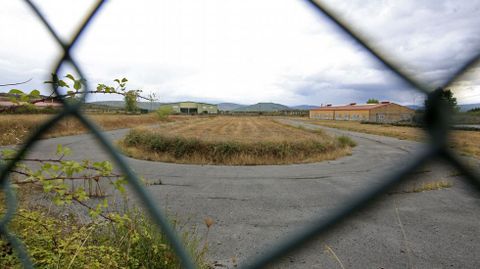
x,y
262,107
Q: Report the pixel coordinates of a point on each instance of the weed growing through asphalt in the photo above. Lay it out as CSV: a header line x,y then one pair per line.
x,y
346,141
433,185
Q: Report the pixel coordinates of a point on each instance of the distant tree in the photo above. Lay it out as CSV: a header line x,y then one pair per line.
x,y
131,104
448,99
152,98
474,110
70,92
164,111
372,101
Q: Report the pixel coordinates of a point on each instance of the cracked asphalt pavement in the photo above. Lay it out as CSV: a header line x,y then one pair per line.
x,y
255,206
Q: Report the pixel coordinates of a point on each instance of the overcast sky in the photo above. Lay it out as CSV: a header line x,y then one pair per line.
x,y
248,51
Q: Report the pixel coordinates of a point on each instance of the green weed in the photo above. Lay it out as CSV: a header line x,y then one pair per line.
x,y
346,141
131,242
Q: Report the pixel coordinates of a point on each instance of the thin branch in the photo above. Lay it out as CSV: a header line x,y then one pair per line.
x,y
113,174
32,219
81,246
62,178
91,208
15,83
20,172
37,160
63,96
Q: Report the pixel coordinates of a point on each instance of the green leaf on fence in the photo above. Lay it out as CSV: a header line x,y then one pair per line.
x,y
77,85
24,98
35,93
16,91
70,77
62,83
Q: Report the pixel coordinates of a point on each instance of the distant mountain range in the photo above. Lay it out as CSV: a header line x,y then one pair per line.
x,y
467,107
303,107
121,104
259,107
463,107
262,107
414,107
229,106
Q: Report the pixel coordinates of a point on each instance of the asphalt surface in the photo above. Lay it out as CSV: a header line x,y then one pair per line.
x,y
255,206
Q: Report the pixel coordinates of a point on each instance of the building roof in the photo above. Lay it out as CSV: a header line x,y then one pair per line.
x,y
7,103
198,103
47,104
352,106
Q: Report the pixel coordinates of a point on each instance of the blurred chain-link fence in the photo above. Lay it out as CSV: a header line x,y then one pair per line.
x,y
436,119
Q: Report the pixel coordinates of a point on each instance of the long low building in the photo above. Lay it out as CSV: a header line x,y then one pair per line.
x,y
382,112
192,108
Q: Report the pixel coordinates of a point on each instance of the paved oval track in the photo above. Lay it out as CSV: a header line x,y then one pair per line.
x,y
253,206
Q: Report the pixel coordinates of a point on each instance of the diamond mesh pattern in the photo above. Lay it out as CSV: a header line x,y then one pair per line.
x,y
436,125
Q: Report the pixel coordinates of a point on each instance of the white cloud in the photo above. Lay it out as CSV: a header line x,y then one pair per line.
x,y
247,51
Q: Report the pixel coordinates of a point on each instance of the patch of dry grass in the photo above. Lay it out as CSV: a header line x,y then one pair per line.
x,y
466,142
14,129
431,186
233,141
400,132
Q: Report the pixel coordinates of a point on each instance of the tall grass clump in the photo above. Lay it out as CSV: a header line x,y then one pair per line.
x,y
346,141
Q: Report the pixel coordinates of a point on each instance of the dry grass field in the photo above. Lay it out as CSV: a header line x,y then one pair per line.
x,y
233,141
466,142
401,132
15,128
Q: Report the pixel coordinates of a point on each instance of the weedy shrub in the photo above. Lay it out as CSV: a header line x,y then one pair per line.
x,y
346,141
55,243
113,235
130,242
164,111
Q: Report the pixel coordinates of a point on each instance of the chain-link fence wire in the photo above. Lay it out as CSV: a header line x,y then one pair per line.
x,y
436,119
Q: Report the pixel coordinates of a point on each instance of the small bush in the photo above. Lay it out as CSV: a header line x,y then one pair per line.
x,y
111,235
164,111
346,141
133,242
